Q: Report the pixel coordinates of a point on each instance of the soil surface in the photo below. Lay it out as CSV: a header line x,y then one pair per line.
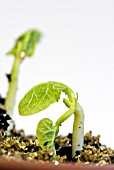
x,y
14,144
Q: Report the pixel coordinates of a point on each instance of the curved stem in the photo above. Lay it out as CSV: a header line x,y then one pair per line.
x,y
10,98
65,116
78,130
71,95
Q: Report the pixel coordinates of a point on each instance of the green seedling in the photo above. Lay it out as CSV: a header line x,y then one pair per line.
x,y
24,46
41,97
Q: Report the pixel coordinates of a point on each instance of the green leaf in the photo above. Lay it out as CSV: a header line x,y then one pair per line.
x,y
40,97
46,134
26,43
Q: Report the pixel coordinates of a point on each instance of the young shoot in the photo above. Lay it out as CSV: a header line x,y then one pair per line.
x,y
41,97
24,46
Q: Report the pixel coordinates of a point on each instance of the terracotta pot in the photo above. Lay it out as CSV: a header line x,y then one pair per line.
x,y
13,164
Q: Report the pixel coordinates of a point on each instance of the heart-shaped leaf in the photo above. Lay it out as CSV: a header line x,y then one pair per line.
x,y
46,134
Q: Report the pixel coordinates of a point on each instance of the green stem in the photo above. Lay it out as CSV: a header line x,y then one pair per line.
x,y
78,130
65,116
71,95
10,98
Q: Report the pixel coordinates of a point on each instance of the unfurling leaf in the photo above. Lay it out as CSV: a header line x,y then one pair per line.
x,y
26,43
40,97
46,133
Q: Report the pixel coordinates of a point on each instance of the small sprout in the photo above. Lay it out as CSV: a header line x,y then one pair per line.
x,y
24,46
41,97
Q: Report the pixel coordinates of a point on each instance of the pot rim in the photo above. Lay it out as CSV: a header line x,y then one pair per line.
x,y
40,165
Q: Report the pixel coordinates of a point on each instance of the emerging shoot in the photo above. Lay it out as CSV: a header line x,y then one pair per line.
x,y
41,97
24,46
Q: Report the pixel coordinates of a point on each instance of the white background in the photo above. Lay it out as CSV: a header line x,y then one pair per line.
x,y
77,48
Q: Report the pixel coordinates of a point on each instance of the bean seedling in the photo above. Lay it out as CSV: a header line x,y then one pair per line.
x,y
24,46
41,97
